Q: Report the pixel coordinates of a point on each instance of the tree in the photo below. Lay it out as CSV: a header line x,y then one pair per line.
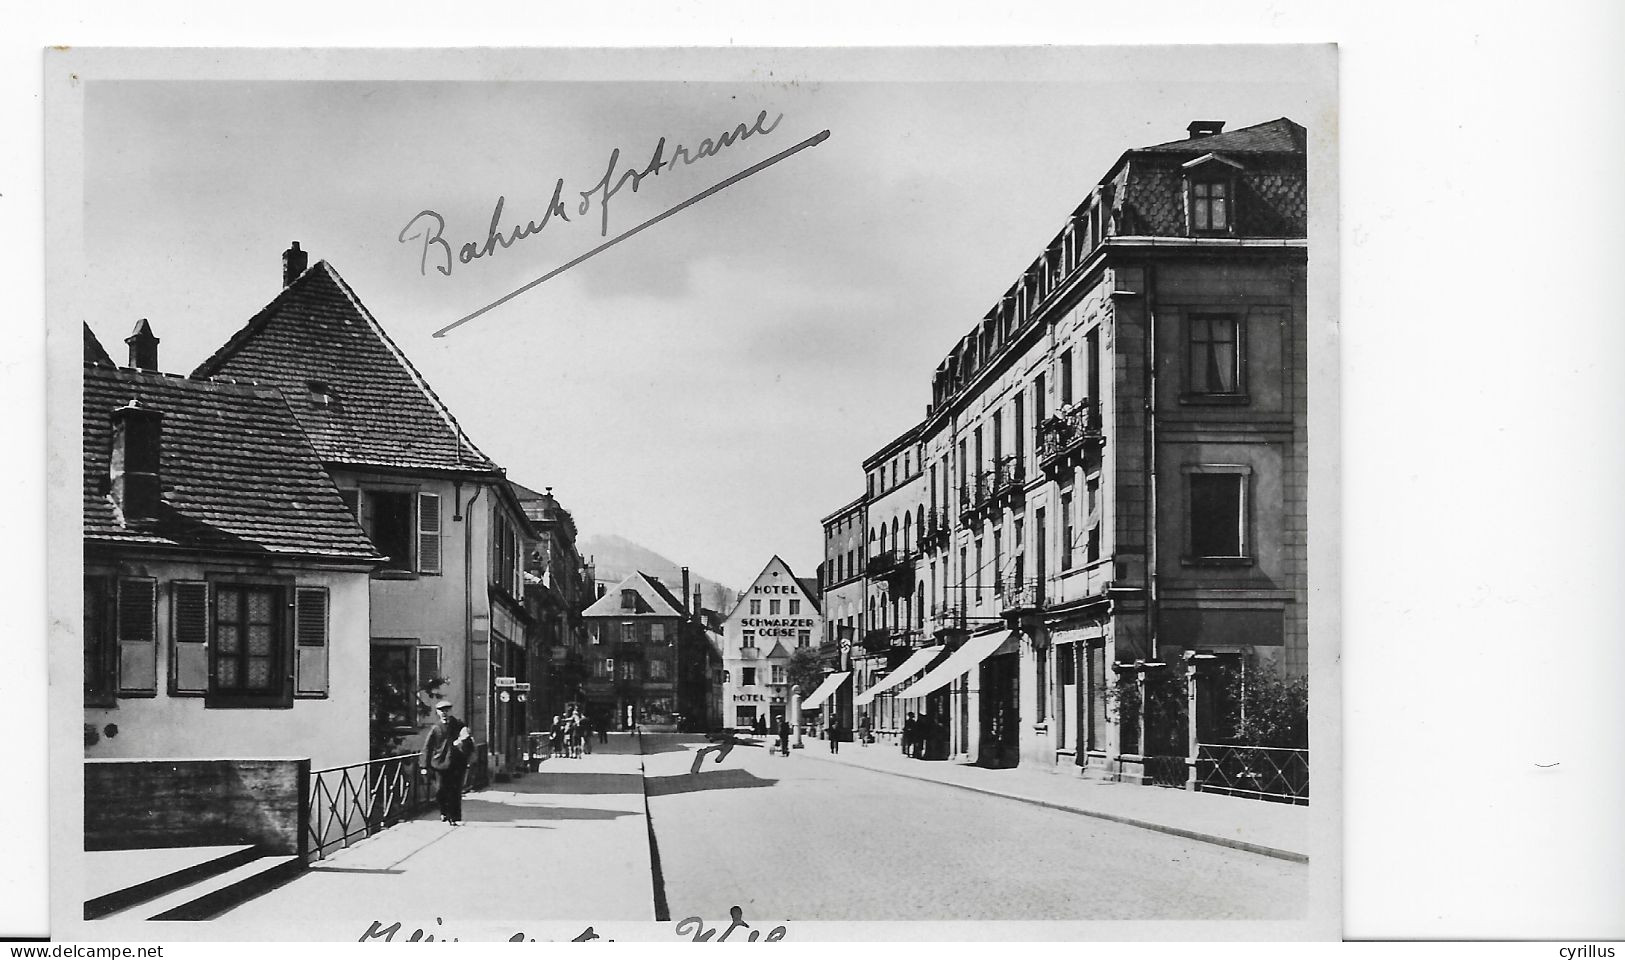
x,y
804,670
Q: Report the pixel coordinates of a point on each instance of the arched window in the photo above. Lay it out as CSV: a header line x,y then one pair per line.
x,y
908,536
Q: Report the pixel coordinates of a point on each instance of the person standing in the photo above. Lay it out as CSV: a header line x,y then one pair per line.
x,y
910,730
446,751
784,737
864,735
834,734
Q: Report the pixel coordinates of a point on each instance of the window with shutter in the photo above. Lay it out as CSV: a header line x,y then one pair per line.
x,y
188,638
101,642
310,642
137,637
248,652
428,533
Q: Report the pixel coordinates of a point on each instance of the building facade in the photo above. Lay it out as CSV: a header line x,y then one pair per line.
x,y
447,612
638,634
219,622
559,586
1118,449
776,616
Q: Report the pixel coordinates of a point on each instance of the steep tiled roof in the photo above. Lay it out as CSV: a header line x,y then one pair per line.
x,y
1276,136
94,351
778,652
238,475
809,586
381,412
658,600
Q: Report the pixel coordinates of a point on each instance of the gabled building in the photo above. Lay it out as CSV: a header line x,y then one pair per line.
x,y
777,615
1118,449
225,579
447,612
638,639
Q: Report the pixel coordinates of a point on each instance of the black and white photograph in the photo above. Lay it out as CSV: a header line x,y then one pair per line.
x,y
706,493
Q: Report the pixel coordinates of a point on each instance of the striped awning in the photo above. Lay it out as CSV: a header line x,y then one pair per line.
x,y
974,651
825,690
918,661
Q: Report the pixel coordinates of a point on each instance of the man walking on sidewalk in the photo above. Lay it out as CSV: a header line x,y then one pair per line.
x,y
446,751
834,734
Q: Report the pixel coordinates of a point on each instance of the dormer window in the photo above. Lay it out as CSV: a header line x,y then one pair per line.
x,y
629,599
1210,194
1210,206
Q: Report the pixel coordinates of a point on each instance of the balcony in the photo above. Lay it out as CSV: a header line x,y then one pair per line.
x,y
1065,437
947,616
750,653
935,532
1000,487
971,495
891,564
1019,599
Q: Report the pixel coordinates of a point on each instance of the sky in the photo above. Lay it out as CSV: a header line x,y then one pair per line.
x,y
709,386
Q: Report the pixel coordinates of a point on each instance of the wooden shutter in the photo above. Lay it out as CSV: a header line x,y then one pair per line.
x,y
428,533
137,637
188,638
310,642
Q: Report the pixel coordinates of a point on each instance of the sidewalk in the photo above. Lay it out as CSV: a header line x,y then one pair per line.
x,y
568,842
1273,829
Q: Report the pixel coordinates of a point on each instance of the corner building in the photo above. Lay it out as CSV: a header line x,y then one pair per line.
x,y
1112,473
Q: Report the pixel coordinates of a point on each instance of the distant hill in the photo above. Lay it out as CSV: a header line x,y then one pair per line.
x,y
618,558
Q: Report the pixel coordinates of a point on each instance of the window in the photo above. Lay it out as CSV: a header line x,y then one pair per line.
x,y
657,670
1021,426
1066,531
1210,206
1066,376
121,638
803,638
748,639
795,607
596,634
657,633
998,559
405,527
1041,687
629,599
629,670
1092,520
747,676
393,702
778,674
1215,361
978,571
505,564
246,663
604,669
1218,513
756,608
629,632
773,607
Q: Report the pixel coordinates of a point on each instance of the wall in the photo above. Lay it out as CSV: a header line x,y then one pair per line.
x,y
766,589
138,804
331,732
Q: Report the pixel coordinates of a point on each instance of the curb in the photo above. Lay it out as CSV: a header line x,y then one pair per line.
x,y
657,876
1233,844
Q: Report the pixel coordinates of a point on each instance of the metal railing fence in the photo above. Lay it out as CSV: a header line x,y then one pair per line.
x,y
1280,774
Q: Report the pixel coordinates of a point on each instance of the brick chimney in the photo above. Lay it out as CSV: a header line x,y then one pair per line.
x,y
1197,130
685,594
137,442
143,347
294,262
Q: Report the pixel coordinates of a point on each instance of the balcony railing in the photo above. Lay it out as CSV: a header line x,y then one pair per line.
x,y
999,486
1022,598
1067,433
935,532
971,496
877,640
948,616
890,563
750,653
353,802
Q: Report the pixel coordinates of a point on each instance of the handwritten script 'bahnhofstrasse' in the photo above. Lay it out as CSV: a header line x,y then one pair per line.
x,y
428,227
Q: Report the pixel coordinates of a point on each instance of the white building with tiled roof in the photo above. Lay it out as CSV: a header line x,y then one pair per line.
x,y
777,615
448,619
225,583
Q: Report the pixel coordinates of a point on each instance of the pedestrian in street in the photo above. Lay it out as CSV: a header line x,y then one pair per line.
x,y
863,730
834,734
446,751
911,729
603,731
585,726
784,737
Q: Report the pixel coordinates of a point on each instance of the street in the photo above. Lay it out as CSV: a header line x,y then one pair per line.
x,y
799,838
807,838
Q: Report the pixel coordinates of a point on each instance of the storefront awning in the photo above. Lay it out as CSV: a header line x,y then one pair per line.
x,y
918,661
975,650
829,686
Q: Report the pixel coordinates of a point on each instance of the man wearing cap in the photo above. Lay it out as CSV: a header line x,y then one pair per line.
x,y
446,751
